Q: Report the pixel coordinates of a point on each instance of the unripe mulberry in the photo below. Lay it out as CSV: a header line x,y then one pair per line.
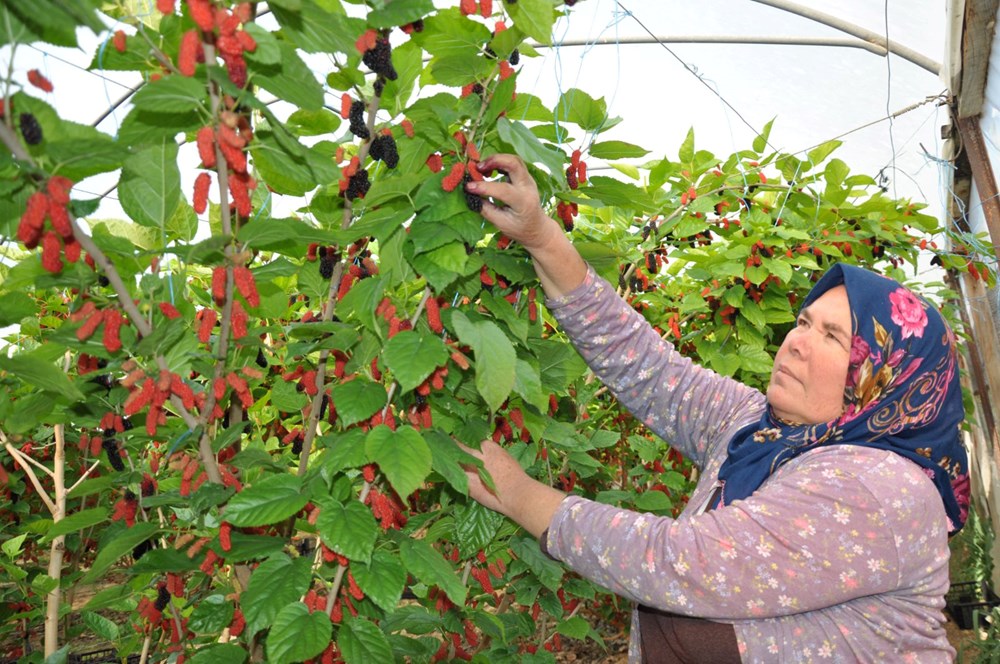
x,y
245,283
201,186
51,251
357,118
36,78
30,129
206,146
379,59
434,316
454,177
112,325
383,148
187,54
203,14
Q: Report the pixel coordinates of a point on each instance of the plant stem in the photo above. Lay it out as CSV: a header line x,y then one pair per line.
x,y
58,547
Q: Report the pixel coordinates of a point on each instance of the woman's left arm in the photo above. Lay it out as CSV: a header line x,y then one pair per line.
x,y
842,524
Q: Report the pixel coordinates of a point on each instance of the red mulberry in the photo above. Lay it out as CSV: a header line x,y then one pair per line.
x,y
51,251
187,54
206,146
118,41
244,280
202,12
201,187
36,78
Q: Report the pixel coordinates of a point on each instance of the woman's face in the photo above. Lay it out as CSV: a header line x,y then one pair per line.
x,y
810,368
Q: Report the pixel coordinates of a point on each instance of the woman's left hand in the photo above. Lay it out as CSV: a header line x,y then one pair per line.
x,y
525,500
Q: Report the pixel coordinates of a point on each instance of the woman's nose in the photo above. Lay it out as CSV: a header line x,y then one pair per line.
x,y
798,342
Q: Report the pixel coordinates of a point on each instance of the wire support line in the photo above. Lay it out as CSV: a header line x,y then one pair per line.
x,y
76,66
943,96
116,104
690,69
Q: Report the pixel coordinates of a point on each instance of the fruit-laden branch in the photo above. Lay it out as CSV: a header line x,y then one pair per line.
x,y
23,460
114,279
331,304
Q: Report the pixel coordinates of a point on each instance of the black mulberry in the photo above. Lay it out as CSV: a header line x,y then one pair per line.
x,y
326,265
141,549
379,59
357,117
515,57
110,446
30,129
358,185
384,149
472,201
162,598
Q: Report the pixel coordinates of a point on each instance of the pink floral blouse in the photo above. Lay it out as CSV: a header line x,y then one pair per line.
x,y
840,556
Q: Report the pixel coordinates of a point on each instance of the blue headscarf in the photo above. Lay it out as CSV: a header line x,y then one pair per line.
x,y
902,394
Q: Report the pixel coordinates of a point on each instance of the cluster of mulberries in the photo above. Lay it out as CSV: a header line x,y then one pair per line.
x,y
328,257
379,59
468,7
566,212
30,129
50,204
577,171
383,148
357,118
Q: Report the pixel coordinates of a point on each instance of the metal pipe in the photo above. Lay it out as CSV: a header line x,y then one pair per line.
x,y
904,52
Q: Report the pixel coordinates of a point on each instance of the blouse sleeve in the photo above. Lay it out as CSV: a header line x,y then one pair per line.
x,y
690,407
845,522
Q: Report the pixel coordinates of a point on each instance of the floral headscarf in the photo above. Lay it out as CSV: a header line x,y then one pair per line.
x,y
902,394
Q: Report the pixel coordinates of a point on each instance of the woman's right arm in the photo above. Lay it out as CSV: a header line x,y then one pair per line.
x,y
559,266
681,402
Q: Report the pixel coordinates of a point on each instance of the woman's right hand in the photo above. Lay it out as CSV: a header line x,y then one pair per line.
x,y
522,218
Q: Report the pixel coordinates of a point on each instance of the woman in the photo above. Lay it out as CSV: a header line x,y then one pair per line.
x,y
818,530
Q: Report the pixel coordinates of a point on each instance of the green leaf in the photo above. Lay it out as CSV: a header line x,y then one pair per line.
x,y
547,571
525,144
616,150
400,12
458,70
211,614
150,185
315,29
835,172
170,94
760,142
382,580
448,33
494,356
534,18
287,173
12,547
52,21
616,193
475,527
274,583
363,298
403,455
357,400
578,107
755,360
652,501
15,306
74,522
313,123
447,458
267,501
575,627
219,653
821,152
686,152
101,626
349,528
127,540
291,81
413,356
42,373
58,657
297,634
427,564
754,314
362,642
